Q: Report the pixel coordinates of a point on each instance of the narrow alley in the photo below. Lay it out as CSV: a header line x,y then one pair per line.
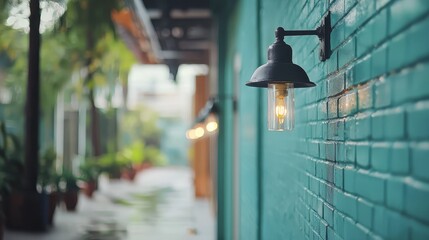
x,y
159,205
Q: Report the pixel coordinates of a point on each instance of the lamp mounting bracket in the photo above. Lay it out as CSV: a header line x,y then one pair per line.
x,y
323,32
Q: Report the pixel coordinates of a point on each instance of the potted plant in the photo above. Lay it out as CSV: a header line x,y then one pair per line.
x,y
153,157
10,161
23,210
71,192
128,172
110,164
128,160
48,180
133,155
89,172
11,168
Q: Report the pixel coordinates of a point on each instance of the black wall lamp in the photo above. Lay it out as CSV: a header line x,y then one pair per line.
x,y
206,122
280,75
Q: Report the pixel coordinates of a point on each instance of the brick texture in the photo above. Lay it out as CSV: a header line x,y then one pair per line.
x,y
380,117
356,165
378,112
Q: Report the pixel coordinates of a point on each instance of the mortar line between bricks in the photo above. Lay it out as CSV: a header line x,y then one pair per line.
x,y
374,80
411,180
415,63
387,39
343,16
350,65
369,52
376,12
406,27
303,6
384,110
365,171
372,110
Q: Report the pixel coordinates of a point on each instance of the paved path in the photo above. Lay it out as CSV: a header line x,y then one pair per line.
x,y
159,205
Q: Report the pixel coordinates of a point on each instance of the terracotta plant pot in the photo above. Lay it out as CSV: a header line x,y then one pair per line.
x,y
70,199
128,174
89,188
142,166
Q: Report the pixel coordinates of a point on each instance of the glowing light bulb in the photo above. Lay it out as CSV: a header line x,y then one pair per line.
x,y
199,132
195,133
211,126
190,134
280,107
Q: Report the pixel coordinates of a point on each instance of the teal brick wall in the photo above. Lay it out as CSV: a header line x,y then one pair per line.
x,y
356,165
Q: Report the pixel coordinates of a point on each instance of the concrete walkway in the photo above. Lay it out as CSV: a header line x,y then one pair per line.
x,y
159,205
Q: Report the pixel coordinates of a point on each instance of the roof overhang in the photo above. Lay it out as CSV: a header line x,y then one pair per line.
x,y
165,31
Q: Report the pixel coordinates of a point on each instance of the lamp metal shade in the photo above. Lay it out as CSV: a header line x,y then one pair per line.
x,y
211,107
280,72
280,68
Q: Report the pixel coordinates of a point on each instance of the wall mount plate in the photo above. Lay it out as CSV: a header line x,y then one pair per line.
x,y
324,34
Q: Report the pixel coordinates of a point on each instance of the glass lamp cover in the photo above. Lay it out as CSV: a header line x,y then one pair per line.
x,y
280,107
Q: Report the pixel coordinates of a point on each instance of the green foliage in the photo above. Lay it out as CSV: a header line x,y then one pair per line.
x,y
154,156
140,125
83,16
114,57
3,12
11,164
90,170
133,154
141,137
70,181
83,42
13,47
138,153
65,50
55,69
110,163
47,173
57,66
88,27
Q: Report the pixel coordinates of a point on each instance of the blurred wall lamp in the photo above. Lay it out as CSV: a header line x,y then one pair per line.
x,y
280,75
206,122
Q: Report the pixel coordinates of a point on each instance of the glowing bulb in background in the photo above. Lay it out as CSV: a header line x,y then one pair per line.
x,y
199,132
195,133
190,134
211,126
